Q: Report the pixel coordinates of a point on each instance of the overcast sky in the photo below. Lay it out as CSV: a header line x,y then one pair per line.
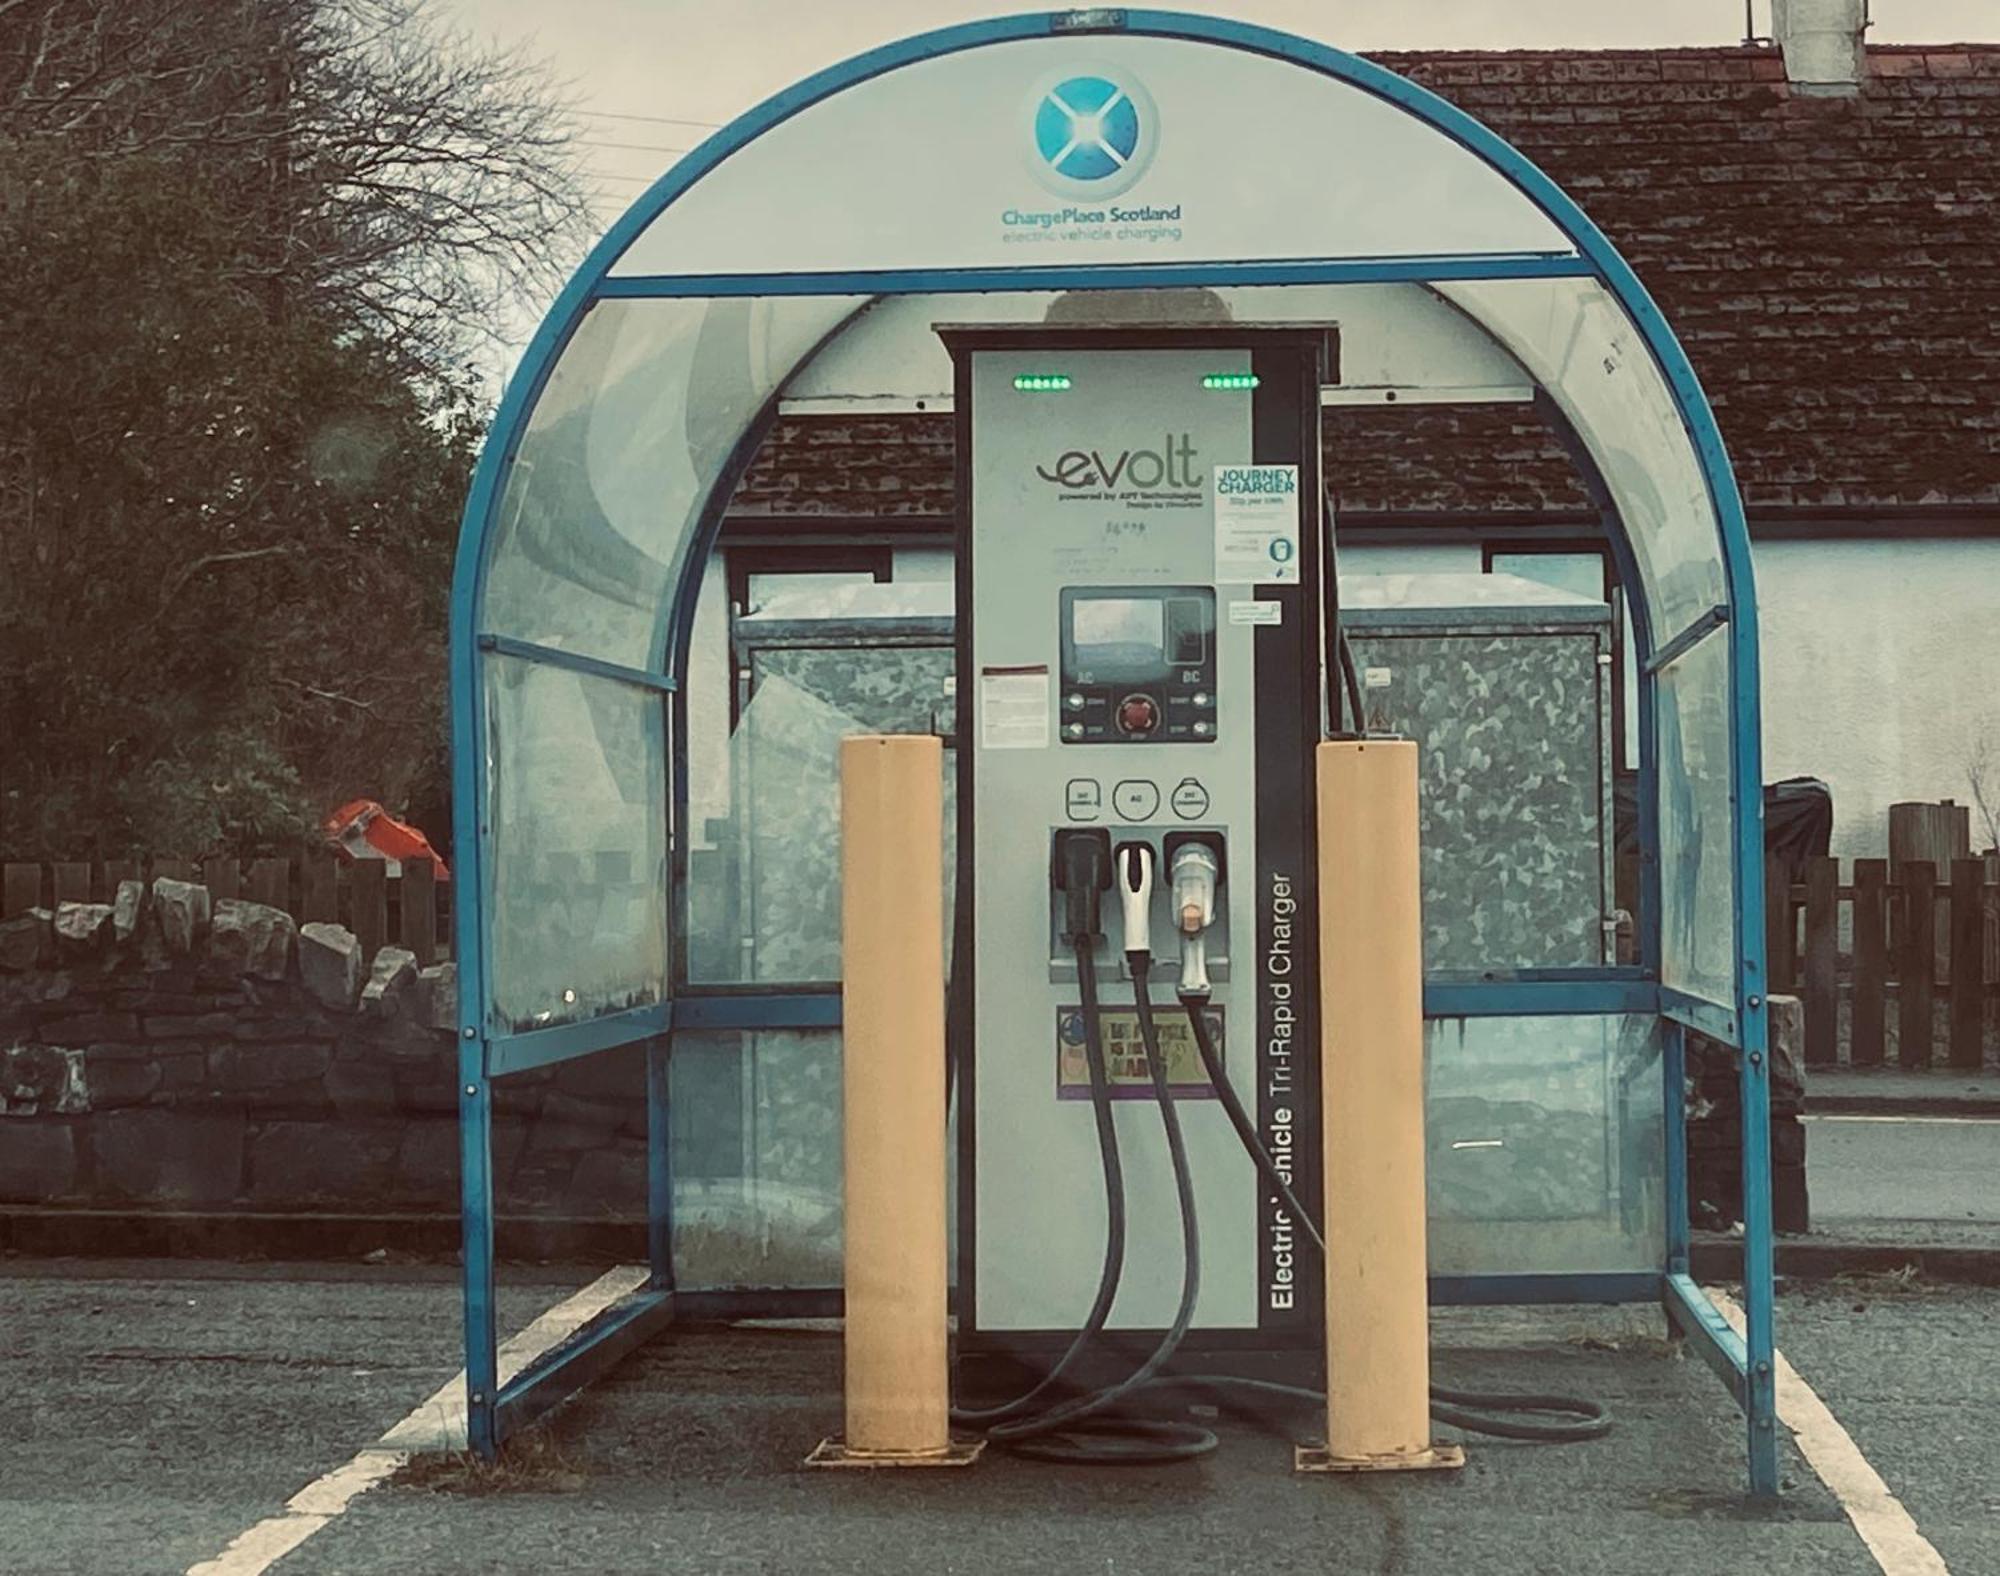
x,y
696,63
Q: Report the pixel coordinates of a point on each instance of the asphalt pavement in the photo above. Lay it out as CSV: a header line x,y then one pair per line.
x,y
1917,1168
160,1408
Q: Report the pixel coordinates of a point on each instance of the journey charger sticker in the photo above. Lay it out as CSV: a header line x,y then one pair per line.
x,y
1256,525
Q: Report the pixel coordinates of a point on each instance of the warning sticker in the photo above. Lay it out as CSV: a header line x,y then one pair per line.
x,y
1256,525
1014,708
1125,1053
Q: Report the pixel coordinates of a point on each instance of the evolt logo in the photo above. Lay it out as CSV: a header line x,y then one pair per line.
x,y
1170,465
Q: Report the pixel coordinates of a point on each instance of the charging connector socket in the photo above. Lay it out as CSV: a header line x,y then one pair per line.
x,y
1080,869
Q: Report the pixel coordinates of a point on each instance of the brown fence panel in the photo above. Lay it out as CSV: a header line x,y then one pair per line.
x,y
223,878
1779,931
368,897
319,897
1968,962
1916,962
270,883
20,889
1871,962
72,881
419,932
1822,993
1993,916
174,869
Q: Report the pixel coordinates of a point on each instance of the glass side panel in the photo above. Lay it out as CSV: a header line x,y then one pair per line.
x,y
1697,839
763,871
576,862
618,460
1545,1144
757,1144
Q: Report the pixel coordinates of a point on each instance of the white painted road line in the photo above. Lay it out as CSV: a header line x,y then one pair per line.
x,y
438,1424
1885,1526
1909,1121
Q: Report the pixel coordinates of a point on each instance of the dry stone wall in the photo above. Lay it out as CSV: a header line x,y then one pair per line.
x,y
165,1051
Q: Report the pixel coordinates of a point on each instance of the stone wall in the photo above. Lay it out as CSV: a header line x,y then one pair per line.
x,y
171,1053
1715,1125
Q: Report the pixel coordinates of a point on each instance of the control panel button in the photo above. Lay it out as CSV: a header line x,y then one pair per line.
x,y
1190,799
1074,730
1073,701
1202,697
1201,730
1135,799
1138,714
1083,799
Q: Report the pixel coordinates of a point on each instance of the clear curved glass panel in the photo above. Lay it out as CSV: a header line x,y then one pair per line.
x,y
576,862
630,435
1697,834
1575,338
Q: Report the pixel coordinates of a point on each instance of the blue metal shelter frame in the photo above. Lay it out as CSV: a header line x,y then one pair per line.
x,y
1743,1360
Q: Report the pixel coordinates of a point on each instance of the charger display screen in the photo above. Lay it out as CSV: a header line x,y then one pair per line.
x,y
1138,665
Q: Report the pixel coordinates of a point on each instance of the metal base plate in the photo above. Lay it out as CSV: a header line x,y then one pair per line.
x,y
1439,1457
834,1453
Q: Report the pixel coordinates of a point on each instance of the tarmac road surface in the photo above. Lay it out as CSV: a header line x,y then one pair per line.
x,y
158,1409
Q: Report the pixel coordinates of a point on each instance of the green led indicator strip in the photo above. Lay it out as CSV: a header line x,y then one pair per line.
x,y
1041,382
1230,380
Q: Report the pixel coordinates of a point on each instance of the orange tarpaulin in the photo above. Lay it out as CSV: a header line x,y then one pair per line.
x,y
364,830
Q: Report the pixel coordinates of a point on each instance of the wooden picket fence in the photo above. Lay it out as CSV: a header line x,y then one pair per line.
x,y
1897,949
411,910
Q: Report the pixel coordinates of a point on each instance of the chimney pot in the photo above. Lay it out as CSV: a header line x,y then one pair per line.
x,y
1821,41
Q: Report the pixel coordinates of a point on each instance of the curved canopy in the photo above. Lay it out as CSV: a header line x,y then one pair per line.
x,y
1098,151
996,170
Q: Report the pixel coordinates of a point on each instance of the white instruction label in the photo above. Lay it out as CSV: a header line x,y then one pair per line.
x,y
1256,612
1377,678
1014,708
1256,525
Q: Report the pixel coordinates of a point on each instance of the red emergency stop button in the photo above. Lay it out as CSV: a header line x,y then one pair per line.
x,y
1138,714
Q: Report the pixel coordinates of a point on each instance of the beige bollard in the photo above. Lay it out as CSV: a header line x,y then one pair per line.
x,y
1372,1114
892,1005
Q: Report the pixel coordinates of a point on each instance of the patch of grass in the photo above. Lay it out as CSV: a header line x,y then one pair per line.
x,y
534,1463
1907,1280
1639,1343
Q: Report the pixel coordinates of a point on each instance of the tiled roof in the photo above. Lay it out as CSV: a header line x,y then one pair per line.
x,y
1831,264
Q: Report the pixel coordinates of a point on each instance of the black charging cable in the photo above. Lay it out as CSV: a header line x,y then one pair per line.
x,y
1467,1409
1083,944
1080,1431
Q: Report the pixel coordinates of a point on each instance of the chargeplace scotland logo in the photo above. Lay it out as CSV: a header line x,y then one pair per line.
x,y
1092,132
1088,134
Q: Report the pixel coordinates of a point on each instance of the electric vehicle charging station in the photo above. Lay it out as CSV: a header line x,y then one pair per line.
x,y
1140,585
769,260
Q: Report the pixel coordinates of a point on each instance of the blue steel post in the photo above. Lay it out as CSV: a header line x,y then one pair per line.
x,y
1753,1016
482,1336
659,1163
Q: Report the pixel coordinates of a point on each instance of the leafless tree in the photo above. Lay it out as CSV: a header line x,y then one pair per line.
x,y
1982,772
418,184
